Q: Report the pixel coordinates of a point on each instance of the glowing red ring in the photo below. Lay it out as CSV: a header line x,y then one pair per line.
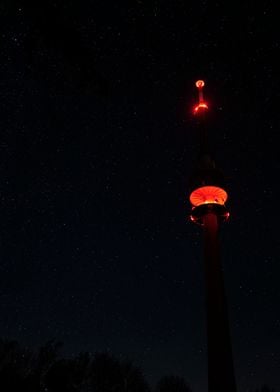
x,y
199,83
208,195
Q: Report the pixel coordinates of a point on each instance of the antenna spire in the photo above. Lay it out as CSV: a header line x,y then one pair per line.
x,y
202,105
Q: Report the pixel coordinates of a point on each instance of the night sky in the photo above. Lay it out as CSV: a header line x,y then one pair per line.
x,y
97,144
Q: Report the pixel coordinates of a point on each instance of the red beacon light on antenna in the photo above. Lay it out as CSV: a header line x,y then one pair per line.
x,y
202,105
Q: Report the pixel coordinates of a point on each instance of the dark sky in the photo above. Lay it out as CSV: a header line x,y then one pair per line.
x,y
97,145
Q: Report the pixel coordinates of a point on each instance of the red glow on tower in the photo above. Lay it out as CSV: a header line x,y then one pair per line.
x,y
208,198
200,83
205,199
207,195
202,105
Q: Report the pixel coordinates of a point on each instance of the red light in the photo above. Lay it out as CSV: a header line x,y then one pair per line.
x,y
201,105
199,83
208,195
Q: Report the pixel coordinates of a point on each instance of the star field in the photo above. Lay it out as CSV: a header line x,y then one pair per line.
x,y
97,144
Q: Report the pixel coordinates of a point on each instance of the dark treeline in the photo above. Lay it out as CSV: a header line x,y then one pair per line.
x,y
26,370
43,370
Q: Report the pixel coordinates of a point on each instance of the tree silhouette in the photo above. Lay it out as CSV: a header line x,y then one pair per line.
x,y
42,370
61,377
105,374
108,374
22,369
172,384
133,378
15,366
264,388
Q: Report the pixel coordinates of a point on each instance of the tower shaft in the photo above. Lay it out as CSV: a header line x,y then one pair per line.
x,y
220,362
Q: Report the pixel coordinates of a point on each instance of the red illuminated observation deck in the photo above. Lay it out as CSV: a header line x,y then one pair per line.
x,y
208,198
208,195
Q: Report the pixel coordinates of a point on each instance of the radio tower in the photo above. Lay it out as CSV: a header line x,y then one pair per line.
x,y
208,197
